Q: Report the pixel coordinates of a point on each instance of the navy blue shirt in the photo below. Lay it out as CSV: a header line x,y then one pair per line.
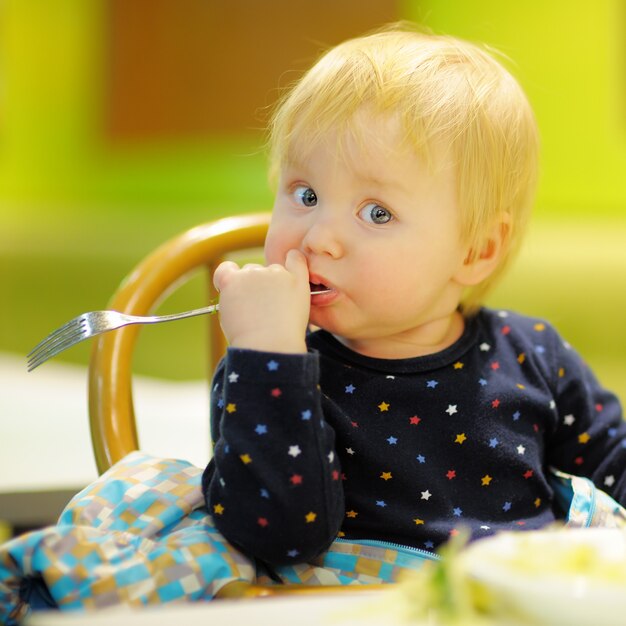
x,y
332,443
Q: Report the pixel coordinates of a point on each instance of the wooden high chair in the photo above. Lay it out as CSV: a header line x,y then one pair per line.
x,y
111,412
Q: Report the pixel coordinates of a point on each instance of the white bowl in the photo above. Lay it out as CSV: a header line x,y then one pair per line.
x,y
560,577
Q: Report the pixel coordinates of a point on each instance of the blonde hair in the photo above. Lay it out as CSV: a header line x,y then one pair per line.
x,y
442,89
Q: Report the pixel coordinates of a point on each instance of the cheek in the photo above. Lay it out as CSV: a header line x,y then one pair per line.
x,y
277,243
271,252
394,277
376,272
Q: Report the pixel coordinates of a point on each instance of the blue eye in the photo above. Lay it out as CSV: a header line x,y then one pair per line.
x,y
305,195
375,214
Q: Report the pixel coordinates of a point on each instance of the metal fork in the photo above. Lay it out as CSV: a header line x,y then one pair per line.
x,y
95,323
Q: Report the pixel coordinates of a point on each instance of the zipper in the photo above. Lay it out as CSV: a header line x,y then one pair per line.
x,y
389,545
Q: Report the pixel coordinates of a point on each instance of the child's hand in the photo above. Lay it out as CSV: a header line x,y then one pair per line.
x,y
265,308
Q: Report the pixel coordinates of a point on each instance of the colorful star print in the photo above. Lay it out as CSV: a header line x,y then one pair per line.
x,y
294,451
461,437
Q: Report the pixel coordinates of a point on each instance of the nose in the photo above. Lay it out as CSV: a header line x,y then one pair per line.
x,y
324,236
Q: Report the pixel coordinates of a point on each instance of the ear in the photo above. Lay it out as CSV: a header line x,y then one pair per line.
x,y
479,264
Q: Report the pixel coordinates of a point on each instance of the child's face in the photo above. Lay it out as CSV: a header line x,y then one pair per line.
x,y
382,232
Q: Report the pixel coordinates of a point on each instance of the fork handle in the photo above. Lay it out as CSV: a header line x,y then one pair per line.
x,y
154,319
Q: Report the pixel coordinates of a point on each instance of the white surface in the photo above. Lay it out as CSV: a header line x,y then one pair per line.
x,y
309,610
44,425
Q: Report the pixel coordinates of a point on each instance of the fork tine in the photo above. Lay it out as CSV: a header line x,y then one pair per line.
x,y
64,337
45,355
68,329
55,334
55,340
48,353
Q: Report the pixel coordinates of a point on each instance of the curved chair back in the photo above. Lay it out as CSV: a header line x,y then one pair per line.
x,y
111,412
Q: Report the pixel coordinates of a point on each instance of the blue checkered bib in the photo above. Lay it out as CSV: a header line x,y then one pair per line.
x,y
141,535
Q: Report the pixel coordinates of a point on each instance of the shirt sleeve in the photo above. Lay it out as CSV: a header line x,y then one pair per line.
x,y
590,437
274,483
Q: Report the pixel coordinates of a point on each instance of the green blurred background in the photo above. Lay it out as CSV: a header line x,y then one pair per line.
x,y
124,122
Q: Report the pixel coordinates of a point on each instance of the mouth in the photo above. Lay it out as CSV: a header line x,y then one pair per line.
x,y
319,288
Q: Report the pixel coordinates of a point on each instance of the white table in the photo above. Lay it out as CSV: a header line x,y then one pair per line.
x,y
310,610
45,444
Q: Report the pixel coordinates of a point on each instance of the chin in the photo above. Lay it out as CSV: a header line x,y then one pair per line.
x,y
323,322
334,327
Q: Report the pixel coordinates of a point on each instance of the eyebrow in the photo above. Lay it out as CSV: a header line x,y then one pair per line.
x,y
386,184
375,180
293,163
